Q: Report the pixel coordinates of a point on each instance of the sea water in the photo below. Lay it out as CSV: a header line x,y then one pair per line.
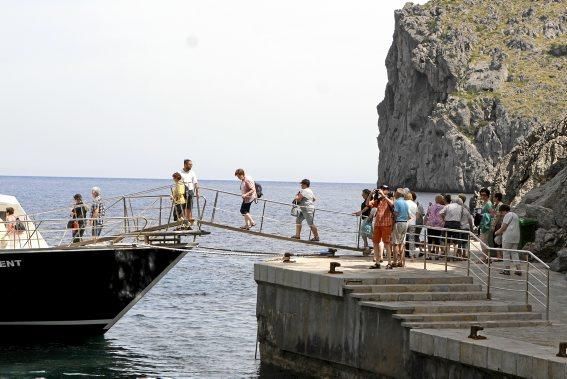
x,y
199,321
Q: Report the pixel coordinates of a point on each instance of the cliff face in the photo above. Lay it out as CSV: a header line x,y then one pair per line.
x,y
468,80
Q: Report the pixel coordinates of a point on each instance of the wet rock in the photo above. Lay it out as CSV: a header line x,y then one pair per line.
x,y
559,264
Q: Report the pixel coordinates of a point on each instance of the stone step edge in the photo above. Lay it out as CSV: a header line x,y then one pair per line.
x,y
409,307
467,324
410,316
362,288
460,279
363,295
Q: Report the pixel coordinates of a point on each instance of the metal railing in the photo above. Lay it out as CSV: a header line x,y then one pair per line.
x,y
530,277
276,215
28,233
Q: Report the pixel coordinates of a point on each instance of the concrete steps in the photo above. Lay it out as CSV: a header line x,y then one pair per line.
x,y
421,296
468,324
440,302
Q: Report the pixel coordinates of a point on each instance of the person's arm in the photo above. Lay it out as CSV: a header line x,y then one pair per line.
x,y
196,185
502,229
358,213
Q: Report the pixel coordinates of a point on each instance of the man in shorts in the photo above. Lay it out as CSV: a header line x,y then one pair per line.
x,y
401,213
383,222
192,187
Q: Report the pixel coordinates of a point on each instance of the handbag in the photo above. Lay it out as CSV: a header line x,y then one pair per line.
x,y
295,209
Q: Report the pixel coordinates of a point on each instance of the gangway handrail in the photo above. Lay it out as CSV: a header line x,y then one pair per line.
x,y
276,202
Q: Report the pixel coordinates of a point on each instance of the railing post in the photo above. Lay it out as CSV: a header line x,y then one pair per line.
x,y
468,250
215,207
426,248
358,232
527,280
547,298
125,213
160,207
262,219
198,208
488,295
446,251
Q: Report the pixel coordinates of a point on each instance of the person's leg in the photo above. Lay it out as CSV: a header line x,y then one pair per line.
x,y
309,219
190,207
298,221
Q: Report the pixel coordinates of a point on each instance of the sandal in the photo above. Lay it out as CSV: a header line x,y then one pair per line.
x,y
244,227
519,273
505,272
389,267
375,266
252,225
314,239
295,237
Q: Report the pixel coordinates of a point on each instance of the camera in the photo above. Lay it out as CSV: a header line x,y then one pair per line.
x,y
376,195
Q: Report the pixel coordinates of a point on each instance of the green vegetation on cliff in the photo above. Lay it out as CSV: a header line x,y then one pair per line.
x,y
532,37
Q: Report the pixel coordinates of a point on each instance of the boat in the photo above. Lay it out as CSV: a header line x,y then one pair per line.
x,y
53,285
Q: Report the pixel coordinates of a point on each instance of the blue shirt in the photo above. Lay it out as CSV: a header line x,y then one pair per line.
x,y
401,210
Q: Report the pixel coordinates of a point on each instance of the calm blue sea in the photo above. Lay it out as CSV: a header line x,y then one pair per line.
x,y
199,321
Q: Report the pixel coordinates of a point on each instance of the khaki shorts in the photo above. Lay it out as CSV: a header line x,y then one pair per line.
x,y
399,233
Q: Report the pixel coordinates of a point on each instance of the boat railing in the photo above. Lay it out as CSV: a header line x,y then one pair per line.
x,y
29,233
514,271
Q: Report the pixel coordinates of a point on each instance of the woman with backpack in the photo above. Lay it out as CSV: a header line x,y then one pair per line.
x,y
248,189
14,228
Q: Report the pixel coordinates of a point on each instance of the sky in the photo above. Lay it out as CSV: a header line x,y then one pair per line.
x,y
130,88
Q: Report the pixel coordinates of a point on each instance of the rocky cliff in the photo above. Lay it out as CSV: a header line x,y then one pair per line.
x,y
468,81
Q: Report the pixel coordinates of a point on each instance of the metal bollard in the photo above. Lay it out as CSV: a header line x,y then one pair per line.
x,y
333,266
474,332
562,350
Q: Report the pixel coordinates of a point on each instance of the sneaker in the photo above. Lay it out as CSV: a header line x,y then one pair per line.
x,y
517,272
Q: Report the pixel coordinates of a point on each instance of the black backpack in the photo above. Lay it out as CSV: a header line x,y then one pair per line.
x,y
19,226
259,192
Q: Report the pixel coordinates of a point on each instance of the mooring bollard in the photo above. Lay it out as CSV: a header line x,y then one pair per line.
x,y
287,258
562,350
474,332
333,266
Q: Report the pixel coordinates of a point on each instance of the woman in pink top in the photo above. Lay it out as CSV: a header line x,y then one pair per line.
x,y
248,189
433,219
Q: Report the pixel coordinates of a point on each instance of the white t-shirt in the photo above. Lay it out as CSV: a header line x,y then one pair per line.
x,y
308,197
412,209
512,233
189,178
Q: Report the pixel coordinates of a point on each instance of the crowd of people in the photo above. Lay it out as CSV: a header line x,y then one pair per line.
x,y
395,221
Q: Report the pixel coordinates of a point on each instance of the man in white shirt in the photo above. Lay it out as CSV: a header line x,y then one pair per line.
x,y
510,231
190,180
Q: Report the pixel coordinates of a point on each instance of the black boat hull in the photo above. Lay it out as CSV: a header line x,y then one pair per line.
x,y
76,292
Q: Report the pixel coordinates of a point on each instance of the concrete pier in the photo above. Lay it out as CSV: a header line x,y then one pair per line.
x,y
402,323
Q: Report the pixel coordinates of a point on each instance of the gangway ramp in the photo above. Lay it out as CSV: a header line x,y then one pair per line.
x,y
279,237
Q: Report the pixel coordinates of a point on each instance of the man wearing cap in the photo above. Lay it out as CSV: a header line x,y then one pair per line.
x,y
97,212
383,222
